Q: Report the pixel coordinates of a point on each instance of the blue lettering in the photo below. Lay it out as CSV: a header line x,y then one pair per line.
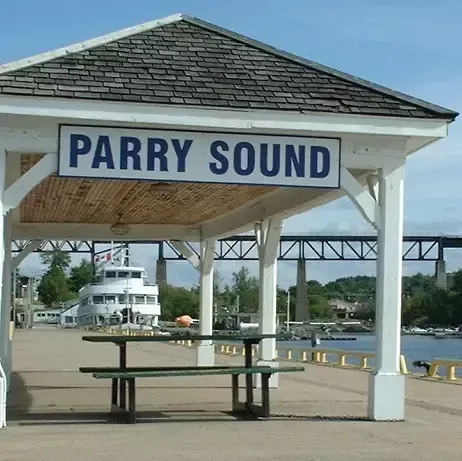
x,y
130,148
295,161
181,153
79,144
103,153
264,160
316,170
238,150
222,164
157,149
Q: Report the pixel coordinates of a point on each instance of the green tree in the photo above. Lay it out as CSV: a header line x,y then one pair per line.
x,y
319,307
53,288
176,301
59,259
80,275
246,287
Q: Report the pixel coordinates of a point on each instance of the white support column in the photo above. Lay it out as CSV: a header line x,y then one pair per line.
x,y
267,235
206,349
5,340
386,383
3,383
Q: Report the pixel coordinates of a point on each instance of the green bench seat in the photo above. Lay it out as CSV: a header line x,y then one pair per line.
x,y
248,407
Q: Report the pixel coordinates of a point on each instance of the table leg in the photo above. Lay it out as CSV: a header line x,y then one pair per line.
x,y
248,378
131,401
265,399
115,385
122,364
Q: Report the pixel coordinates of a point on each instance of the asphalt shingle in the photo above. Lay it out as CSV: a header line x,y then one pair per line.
x,y
189,63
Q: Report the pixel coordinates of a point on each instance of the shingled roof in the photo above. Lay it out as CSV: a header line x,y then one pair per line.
x,y
186,61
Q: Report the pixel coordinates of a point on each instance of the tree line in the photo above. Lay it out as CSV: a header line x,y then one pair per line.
x,y
60,282
422,303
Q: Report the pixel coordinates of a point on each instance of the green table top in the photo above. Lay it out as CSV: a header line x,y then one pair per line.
x,y
120,339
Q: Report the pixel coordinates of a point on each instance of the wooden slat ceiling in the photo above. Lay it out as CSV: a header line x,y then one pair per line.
x,y
96,201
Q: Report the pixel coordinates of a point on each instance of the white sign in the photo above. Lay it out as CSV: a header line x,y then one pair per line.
x,y
158,155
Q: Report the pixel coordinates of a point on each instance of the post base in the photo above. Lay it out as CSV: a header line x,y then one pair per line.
x,y
386,397
273,381
205,355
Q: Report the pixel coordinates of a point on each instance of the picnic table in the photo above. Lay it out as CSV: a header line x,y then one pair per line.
x,y
125,374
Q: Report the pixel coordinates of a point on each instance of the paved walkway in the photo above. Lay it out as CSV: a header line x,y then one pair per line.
x,y
57,413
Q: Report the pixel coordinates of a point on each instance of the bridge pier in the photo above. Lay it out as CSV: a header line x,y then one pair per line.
x,y
301,293
161,272
161,266
441,278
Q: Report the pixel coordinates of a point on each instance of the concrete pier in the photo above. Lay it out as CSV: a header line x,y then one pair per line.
x,y
57,413
441,278
161,272
301,295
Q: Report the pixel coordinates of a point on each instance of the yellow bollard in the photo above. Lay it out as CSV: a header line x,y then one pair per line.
x,y
363,362
341,360
233,350
289,355
304,357
323,357
433,372
451,373
403,365
243,351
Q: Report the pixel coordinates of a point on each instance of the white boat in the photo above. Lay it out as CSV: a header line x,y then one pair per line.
x,y
121,296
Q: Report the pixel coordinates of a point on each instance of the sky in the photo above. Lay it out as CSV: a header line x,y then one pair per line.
x,y
409,45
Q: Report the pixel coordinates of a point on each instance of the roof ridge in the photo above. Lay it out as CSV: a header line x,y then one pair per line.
x,y
88,44
320,67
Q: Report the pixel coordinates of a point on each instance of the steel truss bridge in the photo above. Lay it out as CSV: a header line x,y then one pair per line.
x,y
291,247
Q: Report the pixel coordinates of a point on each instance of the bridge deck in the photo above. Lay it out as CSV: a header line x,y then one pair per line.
x,y
55,412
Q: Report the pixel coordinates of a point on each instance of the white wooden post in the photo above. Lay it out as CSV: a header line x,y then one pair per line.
x,y
387,384
205,350
5,343
3,380
267,236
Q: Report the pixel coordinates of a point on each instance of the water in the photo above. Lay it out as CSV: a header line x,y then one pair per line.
x,y
412,347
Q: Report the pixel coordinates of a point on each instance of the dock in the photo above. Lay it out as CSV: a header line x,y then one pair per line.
x,y
57,413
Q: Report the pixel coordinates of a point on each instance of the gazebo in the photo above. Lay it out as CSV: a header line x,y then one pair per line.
x,y
180,130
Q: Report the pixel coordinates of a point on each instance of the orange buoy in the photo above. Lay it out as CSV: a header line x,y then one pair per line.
x,y
184,321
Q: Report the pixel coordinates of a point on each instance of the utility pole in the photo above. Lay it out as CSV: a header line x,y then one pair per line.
x,y
30,287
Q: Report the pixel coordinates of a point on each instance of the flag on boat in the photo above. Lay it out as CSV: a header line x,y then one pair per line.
x,y
104,257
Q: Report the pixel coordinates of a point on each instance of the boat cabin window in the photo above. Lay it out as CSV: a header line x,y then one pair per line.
x,y
111,274
110,299
122,299
124,274
151,300
84,301
136,275
98,299
139,299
